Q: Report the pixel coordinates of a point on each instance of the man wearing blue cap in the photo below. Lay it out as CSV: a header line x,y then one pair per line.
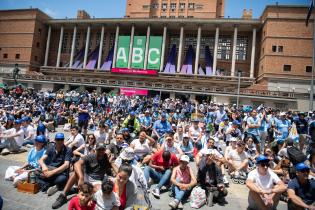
x,y
161,126
132,123
301,189
14,138
265,187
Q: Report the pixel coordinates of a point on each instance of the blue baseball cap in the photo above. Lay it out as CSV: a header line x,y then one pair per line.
x,y
280,141
236,122
40,139
301,167
225,118
18,121
163,115
132,113
41,128
59,136
11,118
261,158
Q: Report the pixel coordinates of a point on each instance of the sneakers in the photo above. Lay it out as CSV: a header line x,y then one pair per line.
x,y
225,180
5,151
52,190
62,199
156,192
174,203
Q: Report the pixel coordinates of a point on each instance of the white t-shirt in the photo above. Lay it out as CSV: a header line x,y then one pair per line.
x,y
264,182
29,130
106,202
141,149
102,137
18,139
237,158
214,151
78,139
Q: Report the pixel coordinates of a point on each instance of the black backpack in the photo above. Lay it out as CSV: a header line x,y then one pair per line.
x,y
295,155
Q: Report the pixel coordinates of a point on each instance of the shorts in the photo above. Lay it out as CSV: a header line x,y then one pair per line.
x,y
83,124
89,179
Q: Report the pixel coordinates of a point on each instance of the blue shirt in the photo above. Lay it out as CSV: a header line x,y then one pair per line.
x,y
162,127
283,127
34,155
305,192
188,148
253,121
146,121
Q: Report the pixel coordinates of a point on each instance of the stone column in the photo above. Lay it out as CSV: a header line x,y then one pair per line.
x,y
234,52
47,46
73,46
197,50
147,47
131,45
59,47
215,52
180,49
115,46
163,48
252,60
100,49
87,44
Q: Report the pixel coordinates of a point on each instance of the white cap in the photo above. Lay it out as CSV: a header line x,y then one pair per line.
x,y
208,152
282,114
185,135
184,158
233,139
127,154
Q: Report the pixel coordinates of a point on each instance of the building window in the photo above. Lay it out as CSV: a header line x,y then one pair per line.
x,y
191,6
280,48
274,48
163,16
164,6
181,5
286,67
5,55
77,41
224,48
39,31
37,44
154,16
155,6
35,58
173,5
145,6
308,69
17,56
190,16
172,16
181,16
65,43
242,48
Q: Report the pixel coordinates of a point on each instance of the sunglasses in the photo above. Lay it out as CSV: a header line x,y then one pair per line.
x,y
305,171
265,164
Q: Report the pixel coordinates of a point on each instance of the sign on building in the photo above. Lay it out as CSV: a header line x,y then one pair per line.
x,y
154,57
122,52
138,51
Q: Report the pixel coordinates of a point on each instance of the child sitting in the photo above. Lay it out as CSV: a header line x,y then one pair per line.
x,y
83,201
105,197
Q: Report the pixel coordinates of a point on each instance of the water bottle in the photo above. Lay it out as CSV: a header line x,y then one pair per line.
x,y
32,177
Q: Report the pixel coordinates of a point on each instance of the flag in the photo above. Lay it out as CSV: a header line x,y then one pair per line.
x,y
310,10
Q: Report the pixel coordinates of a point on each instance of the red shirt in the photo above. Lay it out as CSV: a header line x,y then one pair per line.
x,y
123,198
75,205
157,159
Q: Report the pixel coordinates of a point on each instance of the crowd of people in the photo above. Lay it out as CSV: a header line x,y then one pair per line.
x,y
113,150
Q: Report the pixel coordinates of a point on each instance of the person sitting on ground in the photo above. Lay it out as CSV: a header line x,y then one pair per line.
x,y
171,146
301,189
210,146
187,147
160,169
116,147
141,146
162,126
210,178
183,180
265,187
29,131
105,197
55,166
76,139
132,124
17,173
103,133
124,188
13,138
195,134
84,199
92,168
86,149
251,151
237,160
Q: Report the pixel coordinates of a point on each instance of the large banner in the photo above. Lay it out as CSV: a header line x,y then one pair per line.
x,y
154,57
123,52
133,91
138,52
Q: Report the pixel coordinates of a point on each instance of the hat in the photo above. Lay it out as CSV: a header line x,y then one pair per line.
x,y
163,115
127,154
40,139
18,122
185,135
100,146
225,118
261,158
59,136
280,141
233,139
184,158
132,113
147,111
283,114
301,167
11,118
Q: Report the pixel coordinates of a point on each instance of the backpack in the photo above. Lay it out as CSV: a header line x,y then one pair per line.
x,y
197,197
295,155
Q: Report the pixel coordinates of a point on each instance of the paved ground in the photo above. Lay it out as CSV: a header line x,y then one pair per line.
x,y
14,200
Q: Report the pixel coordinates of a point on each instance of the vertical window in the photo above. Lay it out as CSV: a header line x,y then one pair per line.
x,y
280,48
274,48
37,44
5,55
308,69
173,6
39,31
65,43
241,48
224,48
17,56
191,5
164,6
172,17
286,67
181,6
36,58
